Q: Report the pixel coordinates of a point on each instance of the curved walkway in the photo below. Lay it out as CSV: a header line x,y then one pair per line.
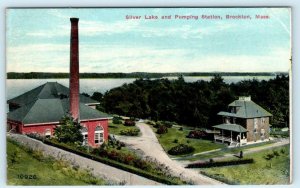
x,y
149,144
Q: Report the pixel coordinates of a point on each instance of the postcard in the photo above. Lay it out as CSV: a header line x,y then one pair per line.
x,y
148,96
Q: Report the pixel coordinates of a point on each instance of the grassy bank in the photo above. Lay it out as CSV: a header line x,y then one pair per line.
x,y
262,171
28,167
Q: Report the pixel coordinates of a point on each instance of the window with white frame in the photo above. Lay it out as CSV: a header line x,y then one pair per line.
x,y
84,132
99,135
48,133
255,125
263,120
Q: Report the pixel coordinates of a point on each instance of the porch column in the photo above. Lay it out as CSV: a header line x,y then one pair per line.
x,y
222,137
215,134
240,138
230,136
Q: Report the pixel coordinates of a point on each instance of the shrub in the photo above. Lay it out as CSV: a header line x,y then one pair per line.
x,y
167,124
212,163
276,153
130,132
158,124
197,134
269,156
129,122
69,131
129,168
181,149
162,129
150,122
175,140
116,120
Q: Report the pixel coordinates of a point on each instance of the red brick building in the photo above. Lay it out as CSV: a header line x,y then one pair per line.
x,y
40,109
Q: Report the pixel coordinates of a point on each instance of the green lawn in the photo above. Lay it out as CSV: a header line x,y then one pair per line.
x,y
260,172
117,128
167,141
23,162
224,151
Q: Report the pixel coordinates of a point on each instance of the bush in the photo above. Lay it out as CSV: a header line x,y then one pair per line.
x,y
128,168
116,120
168,124
175,141
276,153
69,131
197,134
162,129
212,163
158,124
130,132
150,122
181,149
129,122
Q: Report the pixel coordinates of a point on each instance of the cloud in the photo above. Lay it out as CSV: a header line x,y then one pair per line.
x,y
118,58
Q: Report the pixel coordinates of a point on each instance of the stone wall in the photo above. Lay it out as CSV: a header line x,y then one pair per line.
x,y
97,169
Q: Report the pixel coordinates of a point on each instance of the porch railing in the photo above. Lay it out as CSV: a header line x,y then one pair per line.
x,y
229,139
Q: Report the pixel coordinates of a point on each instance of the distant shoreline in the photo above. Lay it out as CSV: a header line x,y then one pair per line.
x,y
48,75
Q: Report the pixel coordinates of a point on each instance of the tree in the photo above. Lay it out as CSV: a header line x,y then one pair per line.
x,y
68,131
97,96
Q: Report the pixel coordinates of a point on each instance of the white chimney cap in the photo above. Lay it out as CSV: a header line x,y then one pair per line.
x,y
245,98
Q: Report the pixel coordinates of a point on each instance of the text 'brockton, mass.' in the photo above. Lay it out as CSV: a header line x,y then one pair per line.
x,y
196,17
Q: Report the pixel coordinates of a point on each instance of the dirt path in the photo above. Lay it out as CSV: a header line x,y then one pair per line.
x,y
150,146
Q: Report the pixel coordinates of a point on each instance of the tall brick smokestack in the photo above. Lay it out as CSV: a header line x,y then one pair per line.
x,y
74,70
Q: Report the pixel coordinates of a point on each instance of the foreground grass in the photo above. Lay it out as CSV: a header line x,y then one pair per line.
x,y
167,141
42,170
262,171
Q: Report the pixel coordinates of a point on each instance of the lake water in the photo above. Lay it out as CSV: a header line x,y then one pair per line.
x,y
15,87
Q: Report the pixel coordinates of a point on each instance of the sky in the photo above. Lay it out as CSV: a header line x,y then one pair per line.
x,y
38,40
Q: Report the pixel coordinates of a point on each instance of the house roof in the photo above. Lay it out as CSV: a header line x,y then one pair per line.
x,y
246,109
51,110
49,90
49,103
231,127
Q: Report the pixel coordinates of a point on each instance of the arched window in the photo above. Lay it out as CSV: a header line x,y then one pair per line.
x,y
48,133
99,135
84,132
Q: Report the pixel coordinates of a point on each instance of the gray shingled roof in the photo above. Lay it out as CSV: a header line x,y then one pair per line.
x,y
51,110
49,103
246,109
231,127
49,90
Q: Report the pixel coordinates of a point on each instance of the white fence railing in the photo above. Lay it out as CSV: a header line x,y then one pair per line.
x,y
228,139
